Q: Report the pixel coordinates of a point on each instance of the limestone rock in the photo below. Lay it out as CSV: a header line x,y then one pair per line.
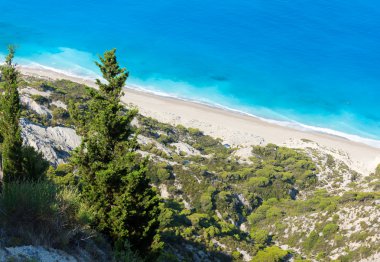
x,y
54,143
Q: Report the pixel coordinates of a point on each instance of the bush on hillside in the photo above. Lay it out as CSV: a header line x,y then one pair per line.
x,y
36,213
270,254
33,164
377,172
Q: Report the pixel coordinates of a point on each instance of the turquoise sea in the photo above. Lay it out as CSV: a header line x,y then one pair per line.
x,y
310,64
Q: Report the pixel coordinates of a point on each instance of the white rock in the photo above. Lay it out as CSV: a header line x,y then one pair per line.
x,y
60,104
183,147
54,143
164,191
34,106
34,253
33,91
246,255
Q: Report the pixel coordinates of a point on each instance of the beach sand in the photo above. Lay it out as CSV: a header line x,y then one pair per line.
x,y
234,128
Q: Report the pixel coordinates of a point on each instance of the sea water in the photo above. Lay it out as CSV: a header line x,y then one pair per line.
x,y
306,63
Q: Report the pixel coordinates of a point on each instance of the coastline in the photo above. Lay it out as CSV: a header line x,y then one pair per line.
x,y
237,128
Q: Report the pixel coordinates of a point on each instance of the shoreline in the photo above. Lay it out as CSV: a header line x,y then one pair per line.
x,y
49,72
238,128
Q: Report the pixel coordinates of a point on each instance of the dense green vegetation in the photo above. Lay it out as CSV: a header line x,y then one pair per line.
x,y
47,216
111,182
11,160
18,162
216,205
112,178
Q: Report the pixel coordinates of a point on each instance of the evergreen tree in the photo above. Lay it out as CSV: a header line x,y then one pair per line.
x,y
10,110
112,178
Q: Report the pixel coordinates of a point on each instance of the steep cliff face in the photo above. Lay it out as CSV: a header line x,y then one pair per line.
x,y
54,142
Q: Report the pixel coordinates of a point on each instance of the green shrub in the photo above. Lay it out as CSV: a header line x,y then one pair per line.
x,y
33,164
270,254
206,202
377,172
311,240
40,99
200,220
330,162
36,213
273,213
330,229
261,237
236,255
124,253
62,176
28,203
163,174
363,196
61,116
258,181
258,215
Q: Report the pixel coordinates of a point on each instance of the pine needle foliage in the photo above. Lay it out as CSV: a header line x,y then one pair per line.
x,y
112,178
10,111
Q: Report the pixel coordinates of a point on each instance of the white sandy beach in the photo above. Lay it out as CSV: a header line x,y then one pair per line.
x,y
235,128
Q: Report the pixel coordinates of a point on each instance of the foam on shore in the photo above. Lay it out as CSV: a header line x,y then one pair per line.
x,y
91,76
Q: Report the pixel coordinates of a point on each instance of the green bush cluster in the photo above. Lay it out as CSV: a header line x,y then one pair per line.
x,y
42,100
270,254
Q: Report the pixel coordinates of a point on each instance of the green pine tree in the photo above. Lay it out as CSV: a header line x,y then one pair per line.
x,y
10,110
112,177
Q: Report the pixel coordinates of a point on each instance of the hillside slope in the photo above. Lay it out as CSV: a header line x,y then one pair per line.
x,y
226,202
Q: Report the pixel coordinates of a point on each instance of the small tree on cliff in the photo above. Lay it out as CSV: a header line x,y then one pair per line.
x,y
112,178
10,111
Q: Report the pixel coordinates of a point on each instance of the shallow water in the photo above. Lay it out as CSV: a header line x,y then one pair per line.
x,y
312,62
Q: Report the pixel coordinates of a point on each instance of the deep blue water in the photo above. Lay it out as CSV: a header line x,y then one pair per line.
x,y
313,62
